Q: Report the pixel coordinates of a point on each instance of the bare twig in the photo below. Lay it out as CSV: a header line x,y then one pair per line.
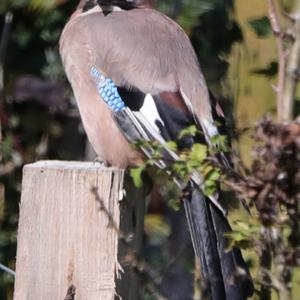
x,y
292,71
288,16
279,35
7,270
266,264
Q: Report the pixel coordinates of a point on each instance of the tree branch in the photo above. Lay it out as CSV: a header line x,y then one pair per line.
x,y
279,35
292,71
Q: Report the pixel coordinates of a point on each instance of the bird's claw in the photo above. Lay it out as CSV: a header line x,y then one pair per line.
x,y
101,162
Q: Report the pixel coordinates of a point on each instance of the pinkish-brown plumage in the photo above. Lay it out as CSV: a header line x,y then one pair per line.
x,y
141,48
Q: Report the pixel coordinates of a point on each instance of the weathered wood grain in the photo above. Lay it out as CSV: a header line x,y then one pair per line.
x,y
63,237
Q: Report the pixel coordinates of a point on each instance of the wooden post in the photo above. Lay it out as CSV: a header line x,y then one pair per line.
x,y
66,245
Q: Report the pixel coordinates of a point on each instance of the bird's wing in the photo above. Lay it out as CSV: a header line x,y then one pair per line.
x,y
148,121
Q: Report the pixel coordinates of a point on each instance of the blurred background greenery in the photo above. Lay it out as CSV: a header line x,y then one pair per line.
x,y
39,117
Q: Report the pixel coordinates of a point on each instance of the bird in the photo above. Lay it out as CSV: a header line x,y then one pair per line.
x,y
135,76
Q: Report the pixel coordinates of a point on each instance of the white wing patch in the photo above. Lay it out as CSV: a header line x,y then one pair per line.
x,y
189,105
149,111
98,9
210,128
145,118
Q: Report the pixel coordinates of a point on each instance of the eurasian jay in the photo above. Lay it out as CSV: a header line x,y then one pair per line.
x,y
135,76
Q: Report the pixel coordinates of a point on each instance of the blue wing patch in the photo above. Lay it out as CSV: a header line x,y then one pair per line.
x,y
107,90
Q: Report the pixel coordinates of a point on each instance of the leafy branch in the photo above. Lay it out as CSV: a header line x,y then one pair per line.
x,y
199,158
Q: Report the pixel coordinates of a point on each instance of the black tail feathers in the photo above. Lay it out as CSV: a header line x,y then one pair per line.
x,y
224,272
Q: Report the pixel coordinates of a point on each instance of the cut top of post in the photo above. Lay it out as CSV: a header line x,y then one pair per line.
x,y
69,165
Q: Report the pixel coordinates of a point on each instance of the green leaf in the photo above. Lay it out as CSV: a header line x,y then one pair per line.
x,y
220,142
214,175
236,238
191,130
172,145
211,176
174,204
261,26
235,235
198,152
209,190
181,169
136,175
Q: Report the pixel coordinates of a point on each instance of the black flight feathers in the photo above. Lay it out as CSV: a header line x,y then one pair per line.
x,y
88,5
106,4
123,4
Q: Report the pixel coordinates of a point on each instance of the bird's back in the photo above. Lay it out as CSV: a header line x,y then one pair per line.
x,y
141,48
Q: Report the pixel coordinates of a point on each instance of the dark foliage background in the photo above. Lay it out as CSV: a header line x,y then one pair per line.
x,y
39,117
